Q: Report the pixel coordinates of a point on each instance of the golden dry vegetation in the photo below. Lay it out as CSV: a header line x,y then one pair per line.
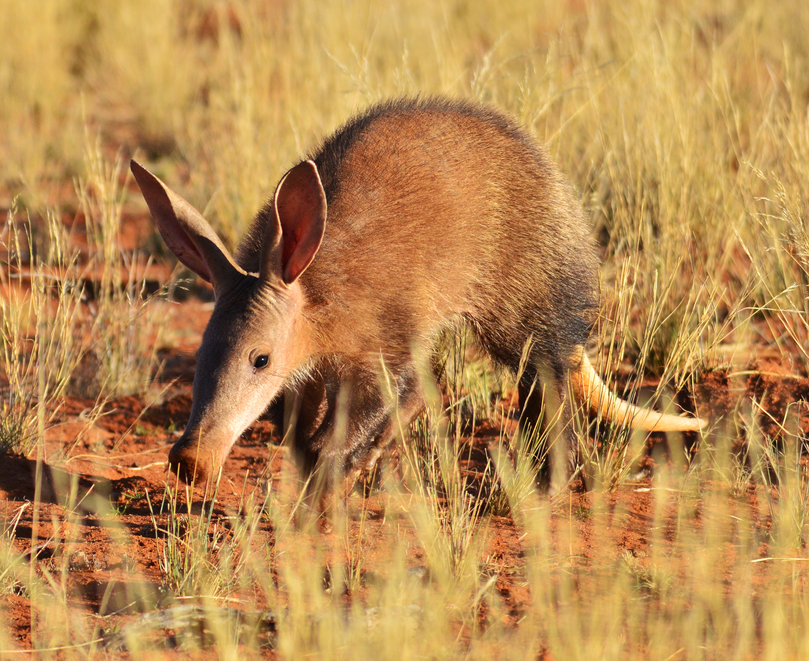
x,y
684,127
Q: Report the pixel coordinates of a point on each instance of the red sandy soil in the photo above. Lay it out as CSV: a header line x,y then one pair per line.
x,y
118,470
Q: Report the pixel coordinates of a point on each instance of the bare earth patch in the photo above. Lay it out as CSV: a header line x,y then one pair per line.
x,y
100,529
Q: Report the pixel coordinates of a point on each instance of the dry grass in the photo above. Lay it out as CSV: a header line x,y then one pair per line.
x,y
684,127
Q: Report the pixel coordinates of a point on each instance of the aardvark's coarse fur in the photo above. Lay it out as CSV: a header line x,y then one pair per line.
x,y
417,215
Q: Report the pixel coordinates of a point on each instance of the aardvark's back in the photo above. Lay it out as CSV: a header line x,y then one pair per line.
x,y
439,210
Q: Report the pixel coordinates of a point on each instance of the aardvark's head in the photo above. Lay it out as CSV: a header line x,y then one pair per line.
x,y
256,334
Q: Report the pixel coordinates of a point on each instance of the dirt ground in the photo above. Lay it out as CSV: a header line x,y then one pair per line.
x,y
121,460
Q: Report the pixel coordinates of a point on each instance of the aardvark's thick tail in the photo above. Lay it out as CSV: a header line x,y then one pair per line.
x,y
592,391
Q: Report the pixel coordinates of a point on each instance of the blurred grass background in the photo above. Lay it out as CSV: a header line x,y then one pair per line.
x,y
682,124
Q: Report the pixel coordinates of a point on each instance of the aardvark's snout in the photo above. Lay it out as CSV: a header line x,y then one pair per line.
x,y
193,462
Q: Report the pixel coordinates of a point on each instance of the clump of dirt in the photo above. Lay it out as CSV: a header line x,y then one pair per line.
x,y
781,398
713,394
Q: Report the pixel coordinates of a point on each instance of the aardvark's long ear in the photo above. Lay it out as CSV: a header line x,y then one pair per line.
x,y
187,234
295,230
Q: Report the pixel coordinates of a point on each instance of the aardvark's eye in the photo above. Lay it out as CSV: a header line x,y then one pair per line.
x,y
261,361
